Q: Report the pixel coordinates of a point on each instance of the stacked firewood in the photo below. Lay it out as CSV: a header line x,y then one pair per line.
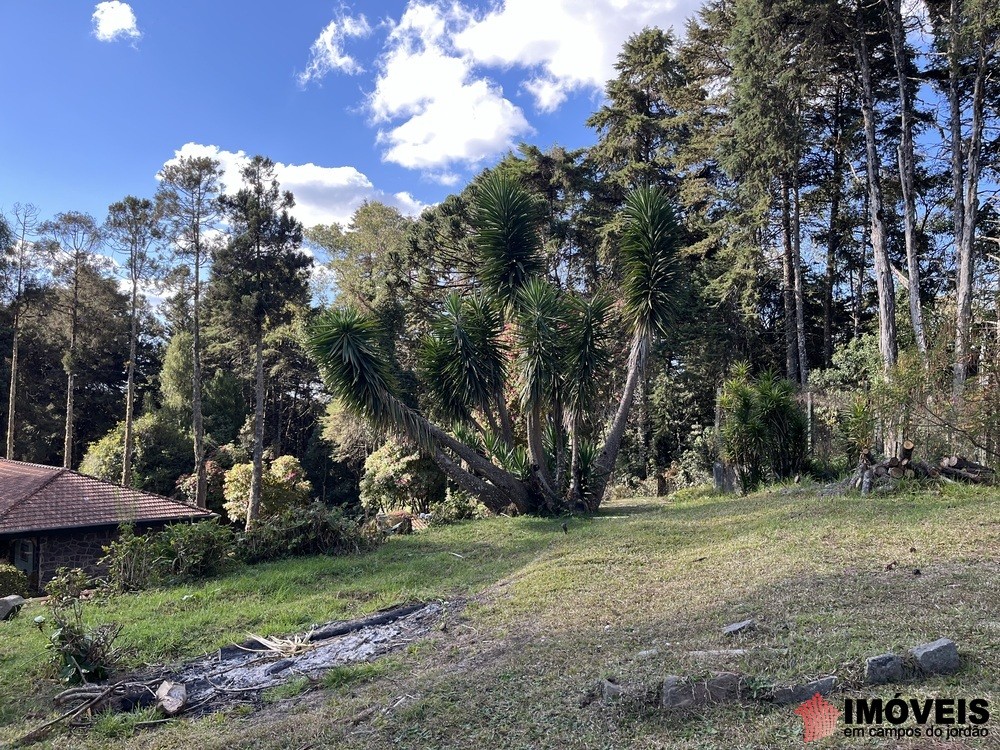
x,y
872,474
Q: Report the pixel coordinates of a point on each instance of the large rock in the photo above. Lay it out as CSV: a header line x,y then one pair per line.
x,y
676,693
740,627
883,669
610,691
784,695
10,606
171,697
722,687
938,657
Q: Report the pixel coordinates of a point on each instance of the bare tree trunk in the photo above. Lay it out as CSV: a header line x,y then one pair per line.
x,y
800,302
256,479
71,370
12,397
883,270
966,254
833,236
197,421
130,390
788,285
907,176
536,453
958,193
608,456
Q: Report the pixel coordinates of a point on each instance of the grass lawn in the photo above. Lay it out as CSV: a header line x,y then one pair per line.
x,y
549,614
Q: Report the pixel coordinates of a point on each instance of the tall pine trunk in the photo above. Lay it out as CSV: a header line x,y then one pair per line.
x,y
788,285
907,176
197,420
833,236
966,249
253,509
130,391
800,300
71,370
12,396
884,285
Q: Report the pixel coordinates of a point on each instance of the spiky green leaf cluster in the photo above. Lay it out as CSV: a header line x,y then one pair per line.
x,y
540,340
507,237
649,261
464,357
345,343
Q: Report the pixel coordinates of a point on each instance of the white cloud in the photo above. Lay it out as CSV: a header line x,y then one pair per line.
x,y
323,195
568,44
327,52
437,112
114,20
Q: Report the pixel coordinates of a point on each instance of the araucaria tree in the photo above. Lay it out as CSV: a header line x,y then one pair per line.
x,y
514,367
188,201
132,227
254,275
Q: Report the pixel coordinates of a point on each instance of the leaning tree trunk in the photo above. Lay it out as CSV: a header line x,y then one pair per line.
x,y
130,394
256,479
606,459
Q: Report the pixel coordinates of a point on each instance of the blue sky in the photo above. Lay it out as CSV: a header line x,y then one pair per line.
x,y
400,101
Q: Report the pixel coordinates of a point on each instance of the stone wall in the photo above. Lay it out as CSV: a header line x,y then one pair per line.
x,y
80,549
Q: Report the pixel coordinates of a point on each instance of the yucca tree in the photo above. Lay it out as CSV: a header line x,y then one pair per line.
x,y
515,367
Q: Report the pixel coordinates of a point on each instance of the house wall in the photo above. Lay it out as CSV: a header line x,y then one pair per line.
x,y
80,549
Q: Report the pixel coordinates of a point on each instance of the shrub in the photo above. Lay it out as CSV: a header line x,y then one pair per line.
x,y
196,550
397,476
82,654
283,486
764,429
131,560
215,475
457,505
312,530
12,581
162,453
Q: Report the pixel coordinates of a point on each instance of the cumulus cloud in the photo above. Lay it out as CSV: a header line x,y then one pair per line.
x,y
327,52
435,112
323,195
566,44
114,20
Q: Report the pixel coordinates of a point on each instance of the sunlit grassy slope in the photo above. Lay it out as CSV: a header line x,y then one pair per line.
x,y
548,614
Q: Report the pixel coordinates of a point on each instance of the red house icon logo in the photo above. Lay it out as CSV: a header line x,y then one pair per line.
x,y
819,718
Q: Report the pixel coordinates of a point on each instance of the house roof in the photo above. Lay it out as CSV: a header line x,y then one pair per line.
x,y
45,498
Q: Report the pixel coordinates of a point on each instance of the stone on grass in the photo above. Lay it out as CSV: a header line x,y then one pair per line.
x,y
10,606
648,653
610,691
740,627
798,693
883,669
676,693
937,657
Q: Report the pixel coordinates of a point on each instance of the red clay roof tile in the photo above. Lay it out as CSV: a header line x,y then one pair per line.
x,y
40,498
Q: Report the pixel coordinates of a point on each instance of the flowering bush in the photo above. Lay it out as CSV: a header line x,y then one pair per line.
x,y
283,486
397,476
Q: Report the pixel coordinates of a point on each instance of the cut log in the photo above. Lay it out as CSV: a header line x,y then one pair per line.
x,y
892,463
896,472
906,450
881,471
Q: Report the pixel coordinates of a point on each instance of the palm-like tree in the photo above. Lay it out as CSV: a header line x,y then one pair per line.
x,y
556,345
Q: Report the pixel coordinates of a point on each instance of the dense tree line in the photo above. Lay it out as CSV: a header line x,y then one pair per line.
x,y
832,169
